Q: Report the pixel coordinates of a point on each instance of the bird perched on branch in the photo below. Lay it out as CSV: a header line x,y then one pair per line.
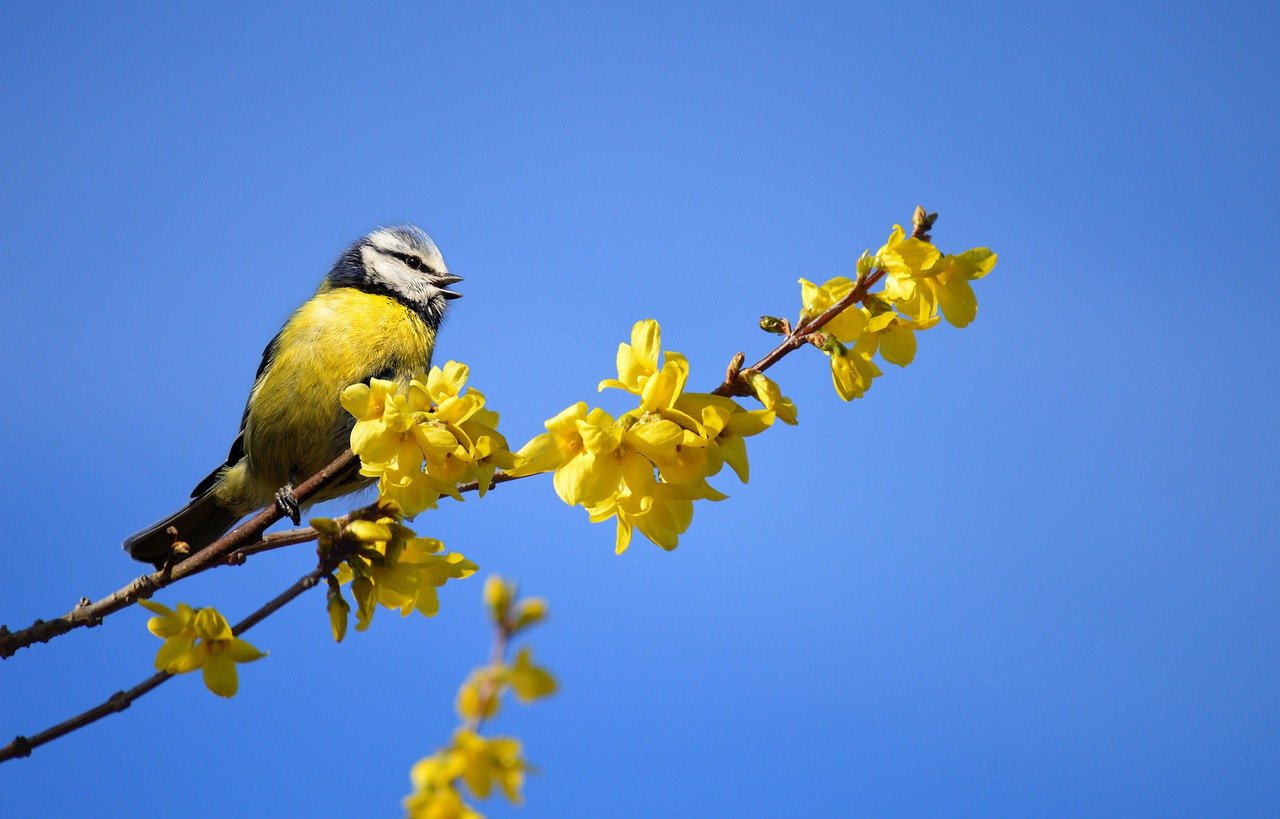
x,y
375,315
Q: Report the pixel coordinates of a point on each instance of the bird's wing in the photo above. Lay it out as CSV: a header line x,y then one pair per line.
x,y
237,446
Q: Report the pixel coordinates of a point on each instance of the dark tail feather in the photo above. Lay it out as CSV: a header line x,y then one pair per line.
x,y
199,523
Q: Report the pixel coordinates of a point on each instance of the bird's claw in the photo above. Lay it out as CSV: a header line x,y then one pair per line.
x,y
288,504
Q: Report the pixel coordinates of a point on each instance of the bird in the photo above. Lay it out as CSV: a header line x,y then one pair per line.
x,y
375,315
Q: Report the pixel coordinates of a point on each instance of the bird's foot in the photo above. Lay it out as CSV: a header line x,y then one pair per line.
x,y
288,504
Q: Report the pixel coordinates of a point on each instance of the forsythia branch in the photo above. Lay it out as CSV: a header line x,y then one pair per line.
x,y
246,538
119,701
921,223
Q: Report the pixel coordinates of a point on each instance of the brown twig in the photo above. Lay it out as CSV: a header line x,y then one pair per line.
x,y
921,223
799,335
275,540
502,634
244,537
119,701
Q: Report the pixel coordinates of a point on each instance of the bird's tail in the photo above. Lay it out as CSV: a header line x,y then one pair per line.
x,y
199,523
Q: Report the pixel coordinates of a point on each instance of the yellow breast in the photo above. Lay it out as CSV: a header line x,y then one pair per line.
x,y
295,425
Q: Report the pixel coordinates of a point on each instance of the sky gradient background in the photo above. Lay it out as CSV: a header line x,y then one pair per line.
x,y
1036,572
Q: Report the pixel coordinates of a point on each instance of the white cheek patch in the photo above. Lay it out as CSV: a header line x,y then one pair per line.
x,y
395,275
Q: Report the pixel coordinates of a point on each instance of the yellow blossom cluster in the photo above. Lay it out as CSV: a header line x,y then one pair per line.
x,y
420,442
386,564
920,283
473,760
477,761
646,467
199,638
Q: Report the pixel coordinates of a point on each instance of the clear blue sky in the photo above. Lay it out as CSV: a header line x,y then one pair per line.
x,y
1036,572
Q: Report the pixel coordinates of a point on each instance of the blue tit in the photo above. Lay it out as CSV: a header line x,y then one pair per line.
x,y
375,315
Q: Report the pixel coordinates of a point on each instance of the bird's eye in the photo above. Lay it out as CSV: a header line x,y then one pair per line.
x,y
413,262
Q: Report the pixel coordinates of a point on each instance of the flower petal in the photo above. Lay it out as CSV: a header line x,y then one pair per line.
x,y
220,675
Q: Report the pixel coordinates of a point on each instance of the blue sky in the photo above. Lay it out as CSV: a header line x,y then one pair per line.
x,y
1035,572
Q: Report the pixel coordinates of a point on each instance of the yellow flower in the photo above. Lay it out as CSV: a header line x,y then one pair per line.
x,y
637,361
424,440
397,569
638,370
556,446
199,638
905,256
483,762
594,456
952,275
907,261
446,382
498,596
661,515
771,396
851,371
384,421
435,796
480,696
894,336
849,324
530,612
445,803
724,425
412,490
339,611
530,682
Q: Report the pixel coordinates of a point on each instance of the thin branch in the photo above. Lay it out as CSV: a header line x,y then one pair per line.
x,y
488,692
271,542
119,701
245,536
798,337
921,223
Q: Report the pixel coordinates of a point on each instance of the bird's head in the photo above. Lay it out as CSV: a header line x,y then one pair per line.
x,y
401,262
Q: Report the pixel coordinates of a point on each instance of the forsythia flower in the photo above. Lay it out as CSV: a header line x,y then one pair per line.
x,y
647,467
918,282
483,762
771,396
438,803
921,280
851,371
952,275
893,336
848,324
530,682
480,696
424,440
479,762
199,638
391,566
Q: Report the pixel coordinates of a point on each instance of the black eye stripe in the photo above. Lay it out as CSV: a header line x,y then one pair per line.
x,y
412,261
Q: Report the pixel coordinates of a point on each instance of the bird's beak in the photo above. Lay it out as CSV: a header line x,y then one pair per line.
x,y
445,281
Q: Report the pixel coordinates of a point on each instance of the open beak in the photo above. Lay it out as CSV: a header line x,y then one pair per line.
x,y
445,281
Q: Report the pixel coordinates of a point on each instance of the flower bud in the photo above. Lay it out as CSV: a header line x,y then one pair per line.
x,y
530,612
338,611
498,595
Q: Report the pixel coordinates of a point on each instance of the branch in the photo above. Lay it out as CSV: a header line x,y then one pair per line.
x,y
119,701
921,223
246,538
